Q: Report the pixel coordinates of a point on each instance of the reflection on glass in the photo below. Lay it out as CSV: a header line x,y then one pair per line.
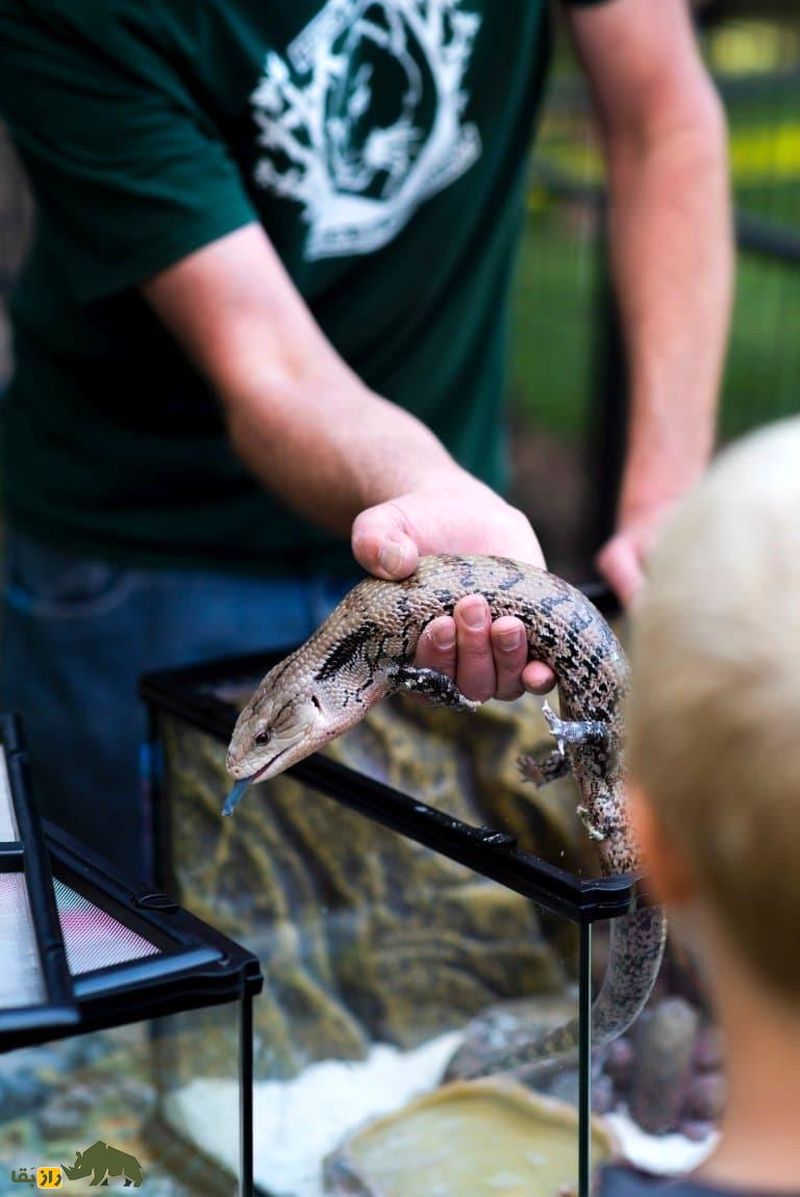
x,y
92,1106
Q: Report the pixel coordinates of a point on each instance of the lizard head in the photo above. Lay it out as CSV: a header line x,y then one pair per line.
x,y
275,730
322,689
282,724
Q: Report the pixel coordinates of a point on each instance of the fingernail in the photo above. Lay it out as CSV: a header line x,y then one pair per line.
x,y
509,639
474,615
444,637
391,556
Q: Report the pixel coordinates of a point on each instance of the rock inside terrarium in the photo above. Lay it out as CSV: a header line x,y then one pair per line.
x,y
484,1136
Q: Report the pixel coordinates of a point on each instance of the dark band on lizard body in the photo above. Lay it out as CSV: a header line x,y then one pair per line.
x,y
365,650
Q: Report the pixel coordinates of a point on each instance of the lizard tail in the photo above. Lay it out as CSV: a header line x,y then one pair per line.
x,y
636,947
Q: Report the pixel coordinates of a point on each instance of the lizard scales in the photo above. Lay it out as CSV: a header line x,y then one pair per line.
x,y
365,650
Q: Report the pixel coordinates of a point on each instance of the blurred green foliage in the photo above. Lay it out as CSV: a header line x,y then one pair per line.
x,y
556,286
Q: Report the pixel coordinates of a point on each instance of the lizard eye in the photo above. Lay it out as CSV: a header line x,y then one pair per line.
x,y
262,737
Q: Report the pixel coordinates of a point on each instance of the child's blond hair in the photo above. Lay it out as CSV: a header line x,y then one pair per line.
x,y
714,716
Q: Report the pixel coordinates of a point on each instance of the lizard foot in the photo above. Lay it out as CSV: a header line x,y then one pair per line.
x,y
437,687
573,731
542,770
593,831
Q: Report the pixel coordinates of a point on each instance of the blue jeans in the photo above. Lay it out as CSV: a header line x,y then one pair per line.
x,y
77,634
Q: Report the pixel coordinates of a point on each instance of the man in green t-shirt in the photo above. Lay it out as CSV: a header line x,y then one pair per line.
x,y
265,313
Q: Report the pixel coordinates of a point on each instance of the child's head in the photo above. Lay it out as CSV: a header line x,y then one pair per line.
x,y
715,708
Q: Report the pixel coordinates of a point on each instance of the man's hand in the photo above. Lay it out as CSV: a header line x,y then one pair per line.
x,y
622,559
487,659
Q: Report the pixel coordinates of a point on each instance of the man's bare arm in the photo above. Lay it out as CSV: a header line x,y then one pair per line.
x,y
297,415
670,223
337,452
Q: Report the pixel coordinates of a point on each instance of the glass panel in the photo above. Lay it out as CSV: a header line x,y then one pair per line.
x,y
79,1094
92,937
661,1085
387,967
8,821
198,1116
21,982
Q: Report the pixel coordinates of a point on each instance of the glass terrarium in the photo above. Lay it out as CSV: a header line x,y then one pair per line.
x,y
108,992
418,910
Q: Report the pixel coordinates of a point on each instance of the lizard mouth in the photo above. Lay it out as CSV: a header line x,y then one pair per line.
x,y
245,782
261,772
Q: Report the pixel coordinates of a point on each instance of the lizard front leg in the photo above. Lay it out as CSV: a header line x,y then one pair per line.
x,y
574,731
435,686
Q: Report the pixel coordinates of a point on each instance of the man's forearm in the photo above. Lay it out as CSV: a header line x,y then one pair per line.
x,y
673,265
329,446
298,416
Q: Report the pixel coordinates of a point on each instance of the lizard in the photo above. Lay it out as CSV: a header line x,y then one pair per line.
x,y
365,649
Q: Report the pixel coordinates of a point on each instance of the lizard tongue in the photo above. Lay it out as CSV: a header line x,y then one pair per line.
x,y
235,795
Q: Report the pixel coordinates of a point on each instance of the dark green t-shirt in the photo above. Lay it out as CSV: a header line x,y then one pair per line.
x,y
381,143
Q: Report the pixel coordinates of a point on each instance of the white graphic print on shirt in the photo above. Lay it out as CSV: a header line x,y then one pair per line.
x,y
363,120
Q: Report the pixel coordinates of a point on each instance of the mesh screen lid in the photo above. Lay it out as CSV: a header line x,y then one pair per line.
x,y
8,822
94,938
21,981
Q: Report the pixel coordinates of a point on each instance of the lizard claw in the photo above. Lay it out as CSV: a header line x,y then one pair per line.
x,y
555,725
530,769
592,831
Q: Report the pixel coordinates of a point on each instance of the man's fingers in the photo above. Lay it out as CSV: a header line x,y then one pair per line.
x,y
436,648
538,677
475,672
486,659
381,545
510,650
515,674
620,564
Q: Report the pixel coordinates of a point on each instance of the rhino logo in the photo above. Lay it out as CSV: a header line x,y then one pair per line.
x,y
104,1161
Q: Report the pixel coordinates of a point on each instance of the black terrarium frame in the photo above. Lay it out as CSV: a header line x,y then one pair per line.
x,y
196,966
27,856
192,695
